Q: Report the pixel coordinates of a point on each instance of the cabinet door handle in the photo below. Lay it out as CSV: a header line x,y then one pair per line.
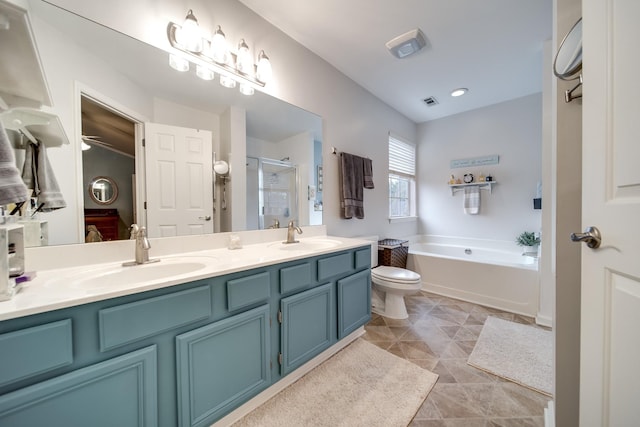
x,y
206,218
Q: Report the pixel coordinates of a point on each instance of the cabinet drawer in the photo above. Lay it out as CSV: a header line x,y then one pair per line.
x,y
294,278
35,350
119,392
335,265
363,258
130,322
248,290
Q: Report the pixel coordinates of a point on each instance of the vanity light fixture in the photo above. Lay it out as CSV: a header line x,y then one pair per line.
x,y
244,63
189,34
263,70
215,55
178,63
227,81
246,89
204,73
459,92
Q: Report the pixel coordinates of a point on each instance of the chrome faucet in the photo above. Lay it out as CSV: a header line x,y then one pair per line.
x,y
291,231
142,246
276,223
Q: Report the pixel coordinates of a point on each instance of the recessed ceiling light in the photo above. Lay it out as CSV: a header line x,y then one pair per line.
x,y
459,92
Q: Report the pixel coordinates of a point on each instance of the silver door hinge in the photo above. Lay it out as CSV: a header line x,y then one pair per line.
x,y
279,316
280,358
144,142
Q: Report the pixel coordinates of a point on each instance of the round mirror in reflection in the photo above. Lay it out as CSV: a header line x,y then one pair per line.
x,y
568,62
103,190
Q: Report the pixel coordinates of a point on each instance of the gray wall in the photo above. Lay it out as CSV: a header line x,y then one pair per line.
x,y
511,129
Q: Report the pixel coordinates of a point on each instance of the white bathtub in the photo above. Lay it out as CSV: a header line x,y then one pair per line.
x,y
490,273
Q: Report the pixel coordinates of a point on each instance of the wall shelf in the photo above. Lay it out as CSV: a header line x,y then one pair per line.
x,y
482,185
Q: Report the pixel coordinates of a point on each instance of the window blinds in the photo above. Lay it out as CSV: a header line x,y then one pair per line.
x,y
402,157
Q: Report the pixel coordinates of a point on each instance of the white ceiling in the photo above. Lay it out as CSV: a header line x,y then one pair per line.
x,y
492,47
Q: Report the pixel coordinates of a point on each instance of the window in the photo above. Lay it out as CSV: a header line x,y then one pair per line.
x,y
402,178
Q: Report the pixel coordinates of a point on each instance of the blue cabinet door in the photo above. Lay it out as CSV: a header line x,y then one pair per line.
x,y
308,319
118,392
354,302
222,365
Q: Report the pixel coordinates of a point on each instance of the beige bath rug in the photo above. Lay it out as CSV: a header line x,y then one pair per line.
x,y
519,353
360,386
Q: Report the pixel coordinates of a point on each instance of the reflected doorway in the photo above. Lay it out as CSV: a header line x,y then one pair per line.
x,y
108,150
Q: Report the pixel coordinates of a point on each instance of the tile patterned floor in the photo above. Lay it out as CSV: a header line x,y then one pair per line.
x,y
439,335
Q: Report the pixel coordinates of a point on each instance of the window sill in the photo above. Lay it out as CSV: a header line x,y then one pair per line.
x,y
403,219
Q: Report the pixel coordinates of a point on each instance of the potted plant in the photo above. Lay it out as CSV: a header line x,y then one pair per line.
x,y
529,242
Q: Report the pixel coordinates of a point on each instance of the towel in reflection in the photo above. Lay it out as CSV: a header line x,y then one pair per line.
x,y
351,186
12,189
38,175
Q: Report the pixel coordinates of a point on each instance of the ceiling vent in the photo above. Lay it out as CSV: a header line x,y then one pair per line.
x,y
431,101
407,44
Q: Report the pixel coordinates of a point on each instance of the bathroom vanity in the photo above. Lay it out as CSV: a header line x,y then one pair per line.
x,y
185,351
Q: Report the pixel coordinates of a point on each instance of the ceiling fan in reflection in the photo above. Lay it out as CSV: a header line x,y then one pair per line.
x,y
92,139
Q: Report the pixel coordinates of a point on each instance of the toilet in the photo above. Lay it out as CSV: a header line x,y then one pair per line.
x,y
389,286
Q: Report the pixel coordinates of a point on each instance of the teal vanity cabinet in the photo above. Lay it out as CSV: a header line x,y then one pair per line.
x,y
336,303
185,355
225,363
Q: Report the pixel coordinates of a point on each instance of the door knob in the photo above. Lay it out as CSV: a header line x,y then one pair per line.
x,y
206,218
591,237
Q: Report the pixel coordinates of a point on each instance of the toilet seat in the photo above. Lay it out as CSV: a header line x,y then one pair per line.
x,y
399,276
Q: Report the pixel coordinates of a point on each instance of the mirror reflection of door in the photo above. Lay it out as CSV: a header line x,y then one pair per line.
x,y
179,163
108,149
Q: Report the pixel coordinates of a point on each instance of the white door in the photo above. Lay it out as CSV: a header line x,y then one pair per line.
x,y
179,180
610,324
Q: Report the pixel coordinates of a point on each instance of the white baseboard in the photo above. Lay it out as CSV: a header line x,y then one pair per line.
x,y
544,320
550,415
276,388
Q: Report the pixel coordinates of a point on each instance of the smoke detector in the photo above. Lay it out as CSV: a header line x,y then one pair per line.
x,y
407,44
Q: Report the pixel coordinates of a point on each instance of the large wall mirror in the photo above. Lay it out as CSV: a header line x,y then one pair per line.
x,y
110,91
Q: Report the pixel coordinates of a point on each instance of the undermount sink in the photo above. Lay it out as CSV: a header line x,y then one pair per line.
x,y
311,244
115,275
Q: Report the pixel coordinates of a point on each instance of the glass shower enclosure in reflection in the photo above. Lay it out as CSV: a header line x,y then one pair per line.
x,y
271,193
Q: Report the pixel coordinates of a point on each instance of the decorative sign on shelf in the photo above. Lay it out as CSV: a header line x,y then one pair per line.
x,y
475,161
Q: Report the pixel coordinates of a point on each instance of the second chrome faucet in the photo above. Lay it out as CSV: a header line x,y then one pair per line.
x,y
142,246
291,230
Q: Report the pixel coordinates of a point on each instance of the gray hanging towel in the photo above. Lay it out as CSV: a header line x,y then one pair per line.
x,y
351,186
29,171
12,189
48,190
368,173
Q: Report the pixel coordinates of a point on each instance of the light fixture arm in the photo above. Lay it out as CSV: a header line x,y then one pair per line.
x,y
171,35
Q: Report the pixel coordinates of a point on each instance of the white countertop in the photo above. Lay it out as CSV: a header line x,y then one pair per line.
x,y
57,288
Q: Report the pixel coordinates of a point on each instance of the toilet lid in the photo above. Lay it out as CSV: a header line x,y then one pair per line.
x,y
395,274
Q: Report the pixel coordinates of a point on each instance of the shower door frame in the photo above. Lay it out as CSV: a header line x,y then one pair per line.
x,y
274,162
